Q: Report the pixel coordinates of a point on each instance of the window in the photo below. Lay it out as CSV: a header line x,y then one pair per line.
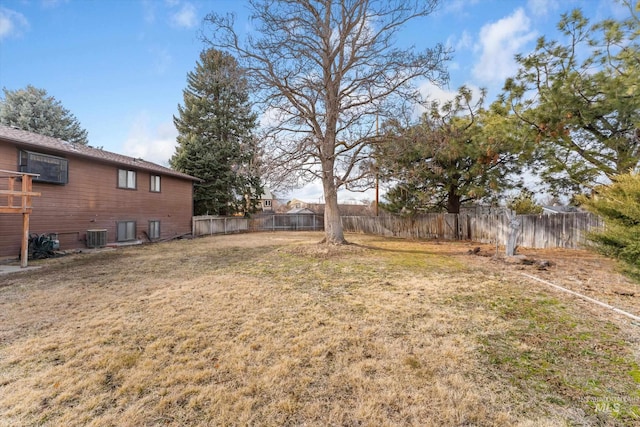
x,y
154,229
126,231
155,184
267,203
50,168
126,179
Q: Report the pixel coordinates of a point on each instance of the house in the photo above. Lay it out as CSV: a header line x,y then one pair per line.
x,y
89,193
346,209
267,201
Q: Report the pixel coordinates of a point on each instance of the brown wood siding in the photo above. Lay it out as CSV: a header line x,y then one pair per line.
x,y
91,200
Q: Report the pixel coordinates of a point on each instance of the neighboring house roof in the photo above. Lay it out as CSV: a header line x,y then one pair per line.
x,y
267,195
559,209
345,209
300,211
35,141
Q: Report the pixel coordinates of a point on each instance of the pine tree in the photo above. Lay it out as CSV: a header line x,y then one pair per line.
x,y
619,205
524,203
215,140
459,152
31,109
580,99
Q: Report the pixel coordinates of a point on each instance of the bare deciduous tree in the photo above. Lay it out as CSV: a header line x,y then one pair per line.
x,y
323,71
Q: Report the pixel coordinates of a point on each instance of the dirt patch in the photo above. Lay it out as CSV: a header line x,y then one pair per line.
x,y
581,271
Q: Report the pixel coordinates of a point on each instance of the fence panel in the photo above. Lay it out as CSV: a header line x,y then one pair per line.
x,y
207,225
287,222
535,231
557,231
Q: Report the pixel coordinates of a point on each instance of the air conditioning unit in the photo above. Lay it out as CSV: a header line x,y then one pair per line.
x,y
96,238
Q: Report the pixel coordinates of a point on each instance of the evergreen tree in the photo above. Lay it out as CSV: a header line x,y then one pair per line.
x,y
580,98
524,204
31,109
215,141
619,205
459,152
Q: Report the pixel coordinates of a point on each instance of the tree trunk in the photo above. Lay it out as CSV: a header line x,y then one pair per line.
x,y
453,201
333,234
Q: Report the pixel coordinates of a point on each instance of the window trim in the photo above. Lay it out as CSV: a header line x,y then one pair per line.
x,y
155,188
129,173
25,164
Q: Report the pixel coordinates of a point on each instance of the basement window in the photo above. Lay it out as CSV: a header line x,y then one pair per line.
x,y
154,229
51,169
126,231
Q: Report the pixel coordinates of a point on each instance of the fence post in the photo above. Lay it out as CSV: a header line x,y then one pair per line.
x,y
512,238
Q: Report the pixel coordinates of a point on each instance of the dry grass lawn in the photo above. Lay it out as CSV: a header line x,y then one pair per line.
x,y
272,329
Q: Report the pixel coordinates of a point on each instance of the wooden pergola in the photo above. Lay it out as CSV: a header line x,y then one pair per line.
x,y
14,201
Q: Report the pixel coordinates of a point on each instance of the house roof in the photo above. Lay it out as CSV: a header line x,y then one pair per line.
x,y
300,211
30,140
267,195
560,209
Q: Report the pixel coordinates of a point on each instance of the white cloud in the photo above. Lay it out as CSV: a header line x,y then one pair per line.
x,y
432,92
185,17
155,145
458,7
459,43
12,23
499,43
542,7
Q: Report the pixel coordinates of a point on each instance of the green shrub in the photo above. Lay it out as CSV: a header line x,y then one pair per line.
x,y
619,205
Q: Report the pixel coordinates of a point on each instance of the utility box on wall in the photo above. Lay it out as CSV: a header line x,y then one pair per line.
x,y
96,238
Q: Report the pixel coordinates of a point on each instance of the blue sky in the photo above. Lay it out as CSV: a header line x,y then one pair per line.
x,y
120,66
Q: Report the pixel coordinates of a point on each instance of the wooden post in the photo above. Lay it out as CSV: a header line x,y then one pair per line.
x,y
26,207
12,180
514,231
24,253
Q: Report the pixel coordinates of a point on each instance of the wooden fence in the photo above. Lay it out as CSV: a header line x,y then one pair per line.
x,y
287,222
534,231
207,225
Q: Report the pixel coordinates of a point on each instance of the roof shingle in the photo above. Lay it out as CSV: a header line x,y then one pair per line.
x,y
60,147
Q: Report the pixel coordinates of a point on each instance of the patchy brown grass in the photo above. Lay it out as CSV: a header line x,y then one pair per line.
x,y
273,329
